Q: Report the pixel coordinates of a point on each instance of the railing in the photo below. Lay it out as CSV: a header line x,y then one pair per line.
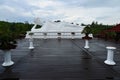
x,y
46,35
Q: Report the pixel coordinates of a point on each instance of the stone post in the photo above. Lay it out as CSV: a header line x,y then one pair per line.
x,y
7,59
59,35
45,35
86,44
73,34
31,43
110,55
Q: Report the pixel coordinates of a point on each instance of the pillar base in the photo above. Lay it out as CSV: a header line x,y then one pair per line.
x,y
31,47
45,38
109,62
5,64
86,47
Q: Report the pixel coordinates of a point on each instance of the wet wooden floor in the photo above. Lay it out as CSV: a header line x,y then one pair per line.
x,y
56,60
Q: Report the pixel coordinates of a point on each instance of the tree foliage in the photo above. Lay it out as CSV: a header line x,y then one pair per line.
x,y
87,30
99,29
16,29
9,32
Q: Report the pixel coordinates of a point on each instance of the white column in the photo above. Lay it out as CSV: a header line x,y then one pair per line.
x,y
7,59
45,37
59,35
73,36
110,55
31,43
86,44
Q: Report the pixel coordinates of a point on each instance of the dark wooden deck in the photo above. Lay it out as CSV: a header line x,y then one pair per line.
x,y
61,60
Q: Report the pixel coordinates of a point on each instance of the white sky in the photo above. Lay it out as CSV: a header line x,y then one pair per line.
x,y
79,11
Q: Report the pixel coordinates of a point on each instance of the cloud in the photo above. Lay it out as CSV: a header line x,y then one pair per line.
x,y
42,4
7,8
80,11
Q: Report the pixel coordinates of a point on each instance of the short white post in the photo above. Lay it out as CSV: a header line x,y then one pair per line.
x,y
45,35
72,34
31,43
59,35
86,43
110,55
7,59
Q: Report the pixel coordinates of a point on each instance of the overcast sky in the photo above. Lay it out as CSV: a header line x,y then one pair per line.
x,y
80,11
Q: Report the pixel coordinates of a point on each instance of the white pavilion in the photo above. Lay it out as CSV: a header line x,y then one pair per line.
x,y
60,29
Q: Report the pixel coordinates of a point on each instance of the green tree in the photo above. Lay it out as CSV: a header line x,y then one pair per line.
x,y
87,30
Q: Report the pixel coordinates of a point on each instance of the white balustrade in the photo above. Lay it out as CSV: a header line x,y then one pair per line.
x,y
64,35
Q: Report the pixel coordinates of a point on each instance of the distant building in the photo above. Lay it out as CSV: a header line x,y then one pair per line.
x,y
51,30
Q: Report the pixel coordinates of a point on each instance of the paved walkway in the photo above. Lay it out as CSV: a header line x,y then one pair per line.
x,y
61,60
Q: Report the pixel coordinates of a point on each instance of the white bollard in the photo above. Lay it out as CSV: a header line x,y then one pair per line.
x,y
45,35
59,35
73,36
110,55
86,44
31,43
7,59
